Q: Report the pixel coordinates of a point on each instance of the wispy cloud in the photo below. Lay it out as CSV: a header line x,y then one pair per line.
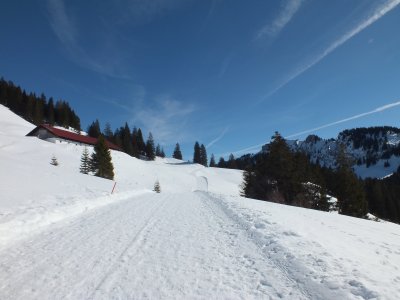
x,y
376,110
66,30
250,149
167,119
60,22
143,11
225,65
218,138
376,14
273,28
211,11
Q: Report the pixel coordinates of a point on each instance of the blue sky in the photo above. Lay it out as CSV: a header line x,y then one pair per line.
x,y
225,73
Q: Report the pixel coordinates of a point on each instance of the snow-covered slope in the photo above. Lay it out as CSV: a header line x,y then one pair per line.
x,y
35,193
63,236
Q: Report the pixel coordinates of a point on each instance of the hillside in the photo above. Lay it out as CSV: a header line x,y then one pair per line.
x,y
375,151
64,236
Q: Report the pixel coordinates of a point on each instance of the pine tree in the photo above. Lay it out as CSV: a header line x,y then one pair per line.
x,y
50,112
177,152
162,154
54,161
135,144
126,139
38,114
350,191
158,150
203,155
140,142
101,162
150,151
94,129
85,162
212,161
118,137
247,185
221,163
231,162
196,154
157,187
108,134
280,168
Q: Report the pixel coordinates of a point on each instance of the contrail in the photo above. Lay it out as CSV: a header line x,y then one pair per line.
x,y
289,10
222,134
376,110
376,15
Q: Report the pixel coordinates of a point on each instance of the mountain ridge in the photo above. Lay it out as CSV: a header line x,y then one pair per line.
x,y
374,151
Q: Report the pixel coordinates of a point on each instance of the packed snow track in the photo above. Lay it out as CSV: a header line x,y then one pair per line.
x,y
150,247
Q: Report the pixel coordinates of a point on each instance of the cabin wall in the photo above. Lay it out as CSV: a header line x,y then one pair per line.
x,y
57,140
44,134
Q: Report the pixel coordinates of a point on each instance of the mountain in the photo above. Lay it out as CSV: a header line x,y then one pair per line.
x,y
64,234
375,151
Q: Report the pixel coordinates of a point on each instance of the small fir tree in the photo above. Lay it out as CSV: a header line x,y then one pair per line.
x,y
85,162
157,187
54,161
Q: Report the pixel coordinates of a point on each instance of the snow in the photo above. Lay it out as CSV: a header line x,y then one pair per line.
x,y
70,129
378,170
325,152
393,139
64,236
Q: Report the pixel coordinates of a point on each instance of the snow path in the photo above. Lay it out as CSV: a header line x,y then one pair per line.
x,y
136,249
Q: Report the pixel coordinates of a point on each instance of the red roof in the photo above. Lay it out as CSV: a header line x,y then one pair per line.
x,y
68,135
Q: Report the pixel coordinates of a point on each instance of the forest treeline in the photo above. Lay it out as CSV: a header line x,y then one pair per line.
x,y
37,109
131,141
284,176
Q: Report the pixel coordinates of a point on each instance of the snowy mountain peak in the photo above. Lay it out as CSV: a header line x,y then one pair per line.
x,y
375,151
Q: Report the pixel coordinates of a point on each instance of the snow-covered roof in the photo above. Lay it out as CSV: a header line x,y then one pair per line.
x,y
69,135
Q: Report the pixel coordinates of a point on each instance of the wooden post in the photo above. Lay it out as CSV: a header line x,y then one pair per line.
x,y
115,183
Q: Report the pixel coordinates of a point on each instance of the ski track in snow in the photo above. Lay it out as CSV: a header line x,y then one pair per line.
x,y
157,246
314,271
